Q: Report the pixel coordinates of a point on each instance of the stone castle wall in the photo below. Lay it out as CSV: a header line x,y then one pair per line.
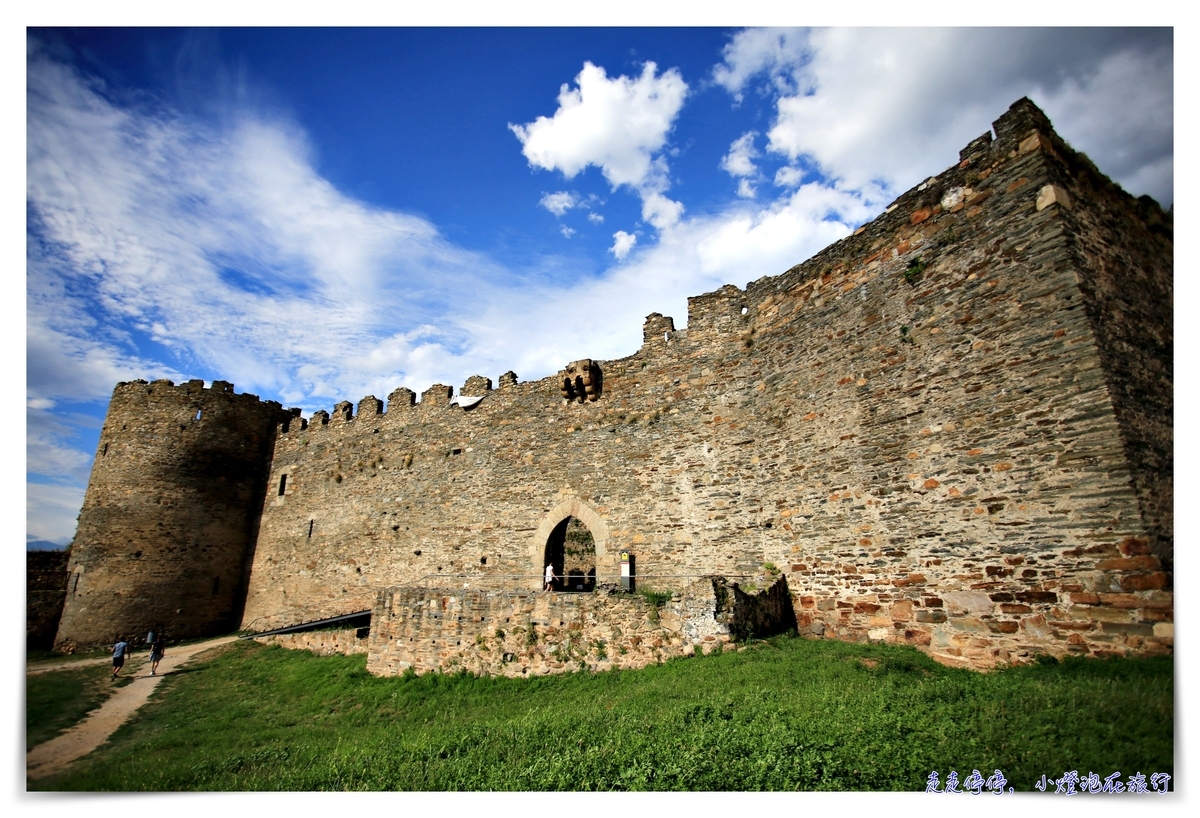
x,y
168,521
951,429
929,426
45,592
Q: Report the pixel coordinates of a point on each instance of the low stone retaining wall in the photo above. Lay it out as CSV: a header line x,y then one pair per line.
x,y
522,633
322,643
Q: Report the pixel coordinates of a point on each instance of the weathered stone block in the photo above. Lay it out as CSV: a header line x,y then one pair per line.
x,y
1053,195
961,602
1037,627
1144,582
1164,630
1035,597
1137,563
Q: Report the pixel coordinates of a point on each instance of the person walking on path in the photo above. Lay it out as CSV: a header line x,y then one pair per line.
x,y
119,651
157,649
549,577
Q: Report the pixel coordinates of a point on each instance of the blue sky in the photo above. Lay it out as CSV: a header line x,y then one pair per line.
x,y
322,214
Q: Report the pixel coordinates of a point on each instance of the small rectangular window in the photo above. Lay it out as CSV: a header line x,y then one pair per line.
x,y
282,484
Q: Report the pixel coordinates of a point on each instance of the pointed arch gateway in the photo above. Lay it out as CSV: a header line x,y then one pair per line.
x,y
564,528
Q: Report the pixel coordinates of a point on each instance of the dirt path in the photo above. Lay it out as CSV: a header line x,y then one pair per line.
x,y
59,752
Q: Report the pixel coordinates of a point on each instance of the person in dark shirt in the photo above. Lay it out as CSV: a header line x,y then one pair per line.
x,y
157,649
119,651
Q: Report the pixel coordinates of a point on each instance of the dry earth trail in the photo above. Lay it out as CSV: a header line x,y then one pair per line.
x,y
56,754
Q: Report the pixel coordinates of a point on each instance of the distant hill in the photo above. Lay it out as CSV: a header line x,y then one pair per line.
x,y
44,545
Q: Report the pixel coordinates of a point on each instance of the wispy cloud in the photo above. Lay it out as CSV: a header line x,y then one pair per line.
x,y
890,106
560,202
50,511
739,163
773,53
221,244
538,329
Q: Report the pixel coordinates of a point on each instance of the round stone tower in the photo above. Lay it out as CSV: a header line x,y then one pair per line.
x,y
168,522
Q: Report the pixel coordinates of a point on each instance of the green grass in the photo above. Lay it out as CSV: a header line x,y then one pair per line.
x,y
782,715
59,699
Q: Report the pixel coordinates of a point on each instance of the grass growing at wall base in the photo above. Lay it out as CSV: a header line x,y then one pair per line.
x,y
781,715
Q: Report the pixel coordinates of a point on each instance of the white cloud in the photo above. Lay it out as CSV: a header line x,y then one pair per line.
x,y
566,231
50,511
739,163
223,244
595,218
788,176
45,445
892,106
770,51
525,330
622,243
661,211
740,159
617,125
560,202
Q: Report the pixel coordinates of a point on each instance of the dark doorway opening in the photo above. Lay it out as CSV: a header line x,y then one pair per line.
x,y
571,549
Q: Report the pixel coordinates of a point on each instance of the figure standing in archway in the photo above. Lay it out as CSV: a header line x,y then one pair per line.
x,y
571,552
549,585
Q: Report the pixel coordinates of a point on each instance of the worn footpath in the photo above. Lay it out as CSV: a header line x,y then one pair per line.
x,y
59,752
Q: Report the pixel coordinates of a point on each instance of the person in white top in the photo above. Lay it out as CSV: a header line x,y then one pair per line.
x,y
549,586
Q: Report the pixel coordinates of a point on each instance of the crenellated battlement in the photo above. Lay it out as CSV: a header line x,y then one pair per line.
x,y
657,329
400,400
476,386
192,391
724,311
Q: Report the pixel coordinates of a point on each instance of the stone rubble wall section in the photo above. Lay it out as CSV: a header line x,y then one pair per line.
x,y
345,642
532,633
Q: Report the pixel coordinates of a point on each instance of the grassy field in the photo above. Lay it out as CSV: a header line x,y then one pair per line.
x,y
57,700
781,715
